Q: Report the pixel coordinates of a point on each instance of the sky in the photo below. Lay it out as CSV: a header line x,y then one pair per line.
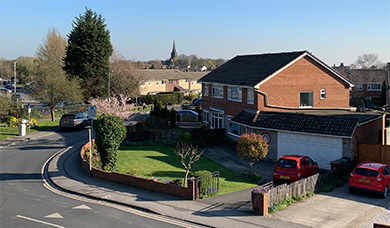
x,y
333,31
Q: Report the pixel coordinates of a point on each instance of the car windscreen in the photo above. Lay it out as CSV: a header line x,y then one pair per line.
x,y
366,172
285,163
67,117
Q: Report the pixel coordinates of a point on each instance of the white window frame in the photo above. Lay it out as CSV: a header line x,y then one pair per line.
x,y
234,95
250,98
322,94
368,99
150,83
359,87
310,99
142,83
216,120
187,80
206,116
162,82
217,91
233,127
156,83
205,90
369,87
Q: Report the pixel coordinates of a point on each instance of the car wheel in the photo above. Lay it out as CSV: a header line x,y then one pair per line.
x,y
385,192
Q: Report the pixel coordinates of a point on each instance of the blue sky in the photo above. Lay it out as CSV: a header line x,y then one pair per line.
x,y
334,31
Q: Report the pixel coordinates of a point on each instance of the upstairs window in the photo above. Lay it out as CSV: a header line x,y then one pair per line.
x,y
206,90
374,87
306,99
163,82
234,93
156,83
150,83
250,96
359,87
142,83
323,94
217,91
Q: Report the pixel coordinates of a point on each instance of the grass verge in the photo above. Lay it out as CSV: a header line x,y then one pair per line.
x,y
160,161
7,132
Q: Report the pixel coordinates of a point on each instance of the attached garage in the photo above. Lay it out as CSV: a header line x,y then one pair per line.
x,y
321,149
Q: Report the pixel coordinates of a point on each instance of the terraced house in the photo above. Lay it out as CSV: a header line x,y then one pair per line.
x,y
297,102
155,81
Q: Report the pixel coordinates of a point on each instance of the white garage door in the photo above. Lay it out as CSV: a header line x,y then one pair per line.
x,y
321,149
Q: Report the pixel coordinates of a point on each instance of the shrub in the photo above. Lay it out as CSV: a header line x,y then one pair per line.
x,y
33,122
110,132
172,118
12,121
187,136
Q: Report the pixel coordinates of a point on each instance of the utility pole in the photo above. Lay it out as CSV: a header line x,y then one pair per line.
x,y
15,77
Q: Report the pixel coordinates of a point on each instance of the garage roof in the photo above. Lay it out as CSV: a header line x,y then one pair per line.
x,y
315,124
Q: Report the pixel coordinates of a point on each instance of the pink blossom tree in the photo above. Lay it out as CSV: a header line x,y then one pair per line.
x,y
116,106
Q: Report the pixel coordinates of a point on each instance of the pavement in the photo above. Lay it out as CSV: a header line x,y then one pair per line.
x,y
335,209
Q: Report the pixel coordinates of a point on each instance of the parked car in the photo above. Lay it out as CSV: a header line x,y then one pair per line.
x,y
372,177
5,90
197,101
17,96
294,167
187,112
77,120
374,107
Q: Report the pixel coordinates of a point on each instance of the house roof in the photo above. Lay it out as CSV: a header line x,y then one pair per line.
x,y
313,124
250,70
367,76
157,75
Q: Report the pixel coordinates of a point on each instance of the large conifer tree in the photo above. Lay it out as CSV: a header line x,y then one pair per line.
x,y
88,52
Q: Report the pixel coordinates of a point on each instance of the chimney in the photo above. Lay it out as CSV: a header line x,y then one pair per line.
x,y
341,64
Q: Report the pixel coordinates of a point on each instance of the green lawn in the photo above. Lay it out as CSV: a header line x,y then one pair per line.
x,y
161,162
7,132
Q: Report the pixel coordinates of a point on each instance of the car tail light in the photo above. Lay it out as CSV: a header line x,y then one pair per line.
x,y
74,122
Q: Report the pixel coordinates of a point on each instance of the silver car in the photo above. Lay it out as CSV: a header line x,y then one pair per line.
x,y
77,120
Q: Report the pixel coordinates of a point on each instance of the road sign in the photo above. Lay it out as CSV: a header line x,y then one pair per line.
x,y
92,111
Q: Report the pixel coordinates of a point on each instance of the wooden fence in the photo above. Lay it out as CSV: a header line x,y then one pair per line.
x,y
374,153
297,188
309,184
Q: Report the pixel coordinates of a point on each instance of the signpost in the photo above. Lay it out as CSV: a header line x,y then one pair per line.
x,y
91,113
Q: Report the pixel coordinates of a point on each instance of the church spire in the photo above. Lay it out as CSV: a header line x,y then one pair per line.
x,y
174,53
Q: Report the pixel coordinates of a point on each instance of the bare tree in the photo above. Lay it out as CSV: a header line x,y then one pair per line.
x,y
53,49
125,76
188,156
367,61
52,84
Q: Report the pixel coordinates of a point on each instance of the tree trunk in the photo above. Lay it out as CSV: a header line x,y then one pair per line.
x,y
250,169
185,178
52,114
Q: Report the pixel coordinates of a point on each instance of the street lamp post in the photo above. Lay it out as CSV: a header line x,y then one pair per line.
x,y
14,77
109,78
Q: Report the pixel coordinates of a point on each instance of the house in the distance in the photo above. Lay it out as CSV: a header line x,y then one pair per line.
x,y
297,102
156,81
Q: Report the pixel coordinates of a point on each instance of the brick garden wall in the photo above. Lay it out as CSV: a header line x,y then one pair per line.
x,y
154,185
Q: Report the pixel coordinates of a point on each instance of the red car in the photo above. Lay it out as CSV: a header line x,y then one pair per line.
x,y
370,176
294,167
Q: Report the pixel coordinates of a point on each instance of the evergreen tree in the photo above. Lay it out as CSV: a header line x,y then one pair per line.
x,y
88,52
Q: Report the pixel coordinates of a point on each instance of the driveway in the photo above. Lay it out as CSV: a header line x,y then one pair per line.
x,y
338,208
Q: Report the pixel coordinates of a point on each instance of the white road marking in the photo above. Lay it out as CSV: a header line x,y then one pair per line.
x,y
54,215
38,221
82,207
162,218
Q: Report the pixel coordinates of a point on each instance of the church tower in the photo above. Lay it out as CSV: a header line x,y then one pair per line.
x,y
174,53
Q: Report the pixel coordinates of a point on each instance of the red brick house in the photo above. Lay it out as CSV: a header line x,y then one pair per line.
x,y
269,93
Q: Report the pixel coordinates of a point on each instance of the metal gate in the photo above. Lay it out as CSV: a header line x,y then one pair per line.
x,y
207,185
